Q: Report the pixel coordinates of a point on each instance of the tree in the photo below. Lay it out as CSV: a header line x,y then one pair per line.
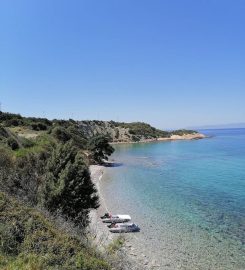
x,y
61,134
100,148
68,187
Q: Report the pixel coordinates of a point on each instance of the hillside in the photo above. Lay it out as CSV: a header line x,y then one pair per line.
x,y
44,165
29,128
30,241
127,132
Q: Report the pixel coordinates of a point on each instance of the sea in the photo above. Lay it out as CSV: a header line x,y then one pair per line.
x,y
188,197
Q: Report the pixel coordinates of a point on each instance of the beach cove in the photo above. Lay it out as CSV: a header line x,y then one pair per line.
x,y
190,213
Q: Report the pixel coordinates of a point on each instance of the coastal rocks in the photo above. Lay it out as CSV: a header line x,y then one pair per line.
x,y
133,132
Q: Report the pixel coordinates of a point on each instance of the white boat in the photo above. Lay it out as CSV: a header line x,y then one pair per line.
x,y
124,228
117,219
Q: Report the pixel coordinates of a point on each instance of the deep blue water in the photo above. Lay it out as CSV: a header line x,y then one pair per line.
x,y
190,186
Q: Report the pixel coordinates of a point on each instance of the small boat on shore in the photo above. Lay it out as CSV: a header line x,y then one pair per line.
x,y
116,219
124,228
106,215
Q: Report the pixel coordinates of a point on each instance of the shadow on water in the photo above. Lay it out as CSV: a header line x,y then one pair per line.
x,y
113,164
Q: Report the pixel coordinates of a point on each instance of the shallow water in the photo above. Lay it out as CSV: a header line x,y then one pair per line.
x,y
187,196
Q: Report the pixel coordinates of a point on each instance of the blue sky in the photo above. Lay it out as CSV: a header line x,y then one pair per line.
x,y
174,63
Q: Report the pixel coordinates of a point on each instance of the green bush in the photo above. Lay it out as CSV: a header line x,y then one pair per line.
x,y
12,143
3,133
90,263
13,122
27,143
29,241
9,116
143,129
39,126
61,134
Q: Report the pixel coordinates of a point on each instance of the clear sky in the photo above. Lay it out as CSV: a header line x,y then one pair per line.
x,y
172,63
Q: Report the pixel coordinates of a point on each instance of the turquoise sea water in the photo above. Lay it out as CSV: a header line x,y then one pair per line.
x,y
187,196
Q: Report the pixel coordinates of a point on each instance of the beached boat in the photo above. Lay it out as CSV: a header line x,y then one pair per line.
x,y
117,219
106,215
124,228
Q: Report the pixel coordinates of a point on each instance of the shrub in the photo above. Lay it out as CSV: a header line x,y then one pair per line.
x,y
11,237
39,126
8,116
61,134
13,122
29,241
12,143
182,132
3,133
91,263
117,133
26,143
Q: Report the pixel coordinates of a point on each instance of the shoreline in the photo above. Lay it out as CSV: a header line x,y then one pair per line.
x,y
133,255
196,136
130,254
175,244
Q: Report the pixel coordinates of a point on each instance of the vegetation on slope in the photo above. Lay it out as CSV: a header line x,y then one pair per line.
x,y
44,165
82,131
126,132
29,241
139,129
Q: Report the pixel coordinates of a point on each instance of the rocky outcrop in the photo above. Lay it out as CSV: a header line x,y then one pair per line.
x,y
116,133
133,132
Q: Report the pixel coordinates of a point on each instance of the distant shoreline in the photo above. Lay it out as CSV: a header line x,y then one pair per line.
x,y
196,136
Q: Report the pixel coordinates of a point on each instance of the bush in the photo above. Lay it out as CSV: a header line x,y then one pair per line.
x,y
29,241
8,116
3,133
26,143
143,129
61,134
182,132
12,143
39,126
11,237
91,263
13,122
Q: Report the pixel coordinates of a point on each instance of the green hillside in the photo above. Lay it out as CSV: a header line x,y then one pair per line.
x,y
30,241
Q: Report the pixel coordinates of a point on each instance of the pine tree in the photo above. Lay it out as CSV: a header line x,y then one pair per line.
x,y
100,148
68,187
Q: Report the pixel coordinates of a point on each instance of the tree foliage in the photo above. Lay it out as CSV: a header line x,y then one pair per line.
x,y
67,186
61,134
100,148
